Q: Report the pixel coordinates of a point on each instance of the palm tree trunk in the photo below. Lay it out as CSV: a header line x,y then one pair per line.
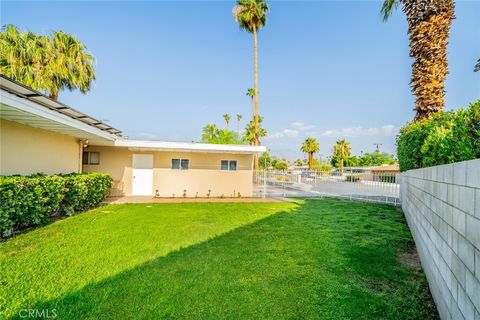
x,y
310,161
341,166
53,95
255,87
428,27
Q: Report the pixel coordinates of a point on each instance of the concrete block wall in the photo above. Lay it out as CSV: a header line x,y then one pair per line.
x,y
442,207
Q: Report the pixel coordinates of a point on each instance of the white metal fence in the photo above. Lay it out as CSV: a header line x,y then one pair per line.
x,y
352,184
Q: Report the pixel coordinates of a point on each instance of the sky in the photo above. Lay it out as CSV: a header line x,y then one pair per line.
x,y
327,69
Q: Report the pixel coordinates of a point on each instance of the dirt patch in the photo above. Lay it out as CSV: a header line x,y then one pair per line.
x,y
410,258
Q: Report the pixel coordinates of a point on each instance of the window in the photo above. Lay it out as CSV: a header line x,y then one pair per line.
x,y
91,158
182,164
228,165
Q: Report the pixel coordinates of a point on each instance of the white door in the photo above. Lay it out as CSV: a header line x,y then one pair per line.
x,y
142,175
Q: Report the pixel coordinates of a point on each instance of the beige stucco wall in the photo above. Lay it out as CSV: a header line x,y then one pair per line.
x,y
204,173
25,150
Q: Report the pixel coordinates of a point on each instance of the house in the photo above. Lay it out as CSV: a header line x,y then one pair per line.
x,y
40,135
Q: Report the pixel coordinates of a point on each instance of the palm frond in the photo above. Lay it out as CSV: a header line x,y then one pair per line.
x,y
387,8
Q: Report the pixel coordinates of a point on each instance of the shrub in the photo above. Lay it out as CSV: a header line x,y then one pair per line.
x,y
390,178
31,201
353,178
444,138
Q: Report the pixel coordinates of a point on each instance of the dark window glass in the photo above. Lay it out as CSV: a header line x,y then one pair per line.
x,y
85,158
224,165
185,163
233,165
175,163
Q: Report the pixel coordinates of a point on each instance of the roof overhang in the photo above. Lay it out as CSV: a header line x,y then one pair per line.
x,y
142,145
19,107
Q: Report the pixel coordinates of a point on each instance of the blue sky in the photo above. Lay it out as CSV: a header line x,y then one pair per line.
x,y
328,69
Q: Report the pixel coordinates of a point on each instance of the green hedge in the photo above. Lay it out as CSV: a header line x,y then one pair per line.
x,y
445,138
354,178
30,201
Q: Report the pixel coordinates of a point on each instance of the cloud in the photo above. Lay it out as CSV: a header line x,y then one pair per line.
x,y
386,130
302,126
292,131
146,135
389,130
289,133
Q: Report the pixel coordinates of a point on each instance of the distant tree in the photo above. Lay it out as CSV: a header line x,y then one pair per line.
x,y
249,134
210,133
353,161
239,117
300,162
49,64
227,119
310,146
265,161
251,94
227,137
429,24
477,66
377,158
280,165
341,151
251,15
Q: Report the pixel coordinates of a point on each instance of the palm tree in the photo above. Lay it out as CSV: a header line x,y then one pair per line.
x,y
428,26
46,64
310,146
477,66
22,57
342,151
226,116
209,133
251,15
249,134
239,117
251,94
73,66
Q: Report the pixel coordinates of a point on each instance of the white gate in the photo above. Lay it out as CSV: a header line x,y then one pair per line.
x,y
375,187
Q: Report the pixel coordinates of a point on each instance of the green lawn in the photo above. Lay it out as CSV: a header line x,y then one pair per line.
x,y
312,259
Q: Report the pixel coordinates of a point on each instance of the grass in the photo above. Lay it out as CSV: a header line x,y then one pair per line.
x,y
319,259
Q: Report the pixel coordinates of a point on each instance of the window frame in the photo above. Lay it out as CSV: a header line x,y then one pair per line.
x,y
88,161
180,164
229,165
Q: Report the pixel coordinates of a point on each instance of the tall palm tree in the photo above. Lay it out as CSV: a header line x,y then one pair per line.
x,y
342,151
72,66
239,117
22,57
429,24
226,116
310,146
48,64
251,15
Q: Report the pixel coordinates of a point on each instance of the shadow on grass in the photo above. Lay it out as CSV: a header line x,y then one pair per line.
x,y
327,259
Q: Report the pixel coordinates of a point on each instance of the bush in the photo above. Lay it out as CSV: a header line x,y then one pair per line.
x,y
390,178
444,138
31,201
352,178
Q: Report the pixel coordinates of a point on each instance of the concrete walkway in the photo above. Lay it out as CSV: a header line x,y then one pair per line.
x,y
147,199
